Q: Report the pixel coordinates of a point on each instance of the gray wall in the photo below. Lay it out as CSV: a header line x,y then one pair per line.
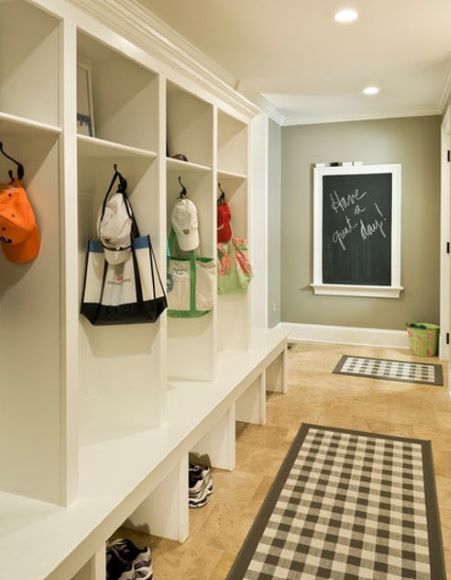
x,y
274,221
413,142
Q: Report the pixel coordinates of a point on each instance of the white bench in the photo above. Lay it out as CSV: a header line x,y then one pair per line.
x,y
141,478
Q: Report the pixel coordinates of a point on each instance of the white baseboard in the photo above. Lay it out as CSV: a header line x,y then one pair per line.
x,y
346,335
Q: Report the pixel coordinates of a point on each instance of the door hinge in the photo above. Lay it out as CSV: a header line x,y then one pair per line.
x,y
449,155
447,247
447,338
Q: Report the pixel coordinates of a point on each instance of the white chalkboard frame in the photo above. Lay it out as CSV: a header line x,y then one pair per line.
x,y
392,291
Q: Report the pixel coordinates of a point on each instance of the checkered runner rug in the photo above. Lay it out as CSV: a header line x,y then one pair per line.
x,y
391,370
348,506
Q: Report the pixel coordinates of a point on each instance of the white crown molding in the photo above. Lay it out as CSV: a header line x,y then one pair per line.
x,y
136,23
300,119
264,105
446,92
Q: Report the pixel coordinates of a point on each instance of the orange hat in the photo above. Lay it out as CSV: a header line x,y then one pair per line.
x,y
19,233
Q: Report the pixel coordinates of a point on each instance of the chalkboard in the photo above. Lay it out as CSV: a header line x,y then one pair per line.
x,y
357,229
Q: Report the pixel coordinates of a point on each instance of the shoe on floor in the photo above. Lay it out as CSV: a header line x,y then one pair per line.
x,y
127,551
126,559
197,474
117,569
143,570
199,496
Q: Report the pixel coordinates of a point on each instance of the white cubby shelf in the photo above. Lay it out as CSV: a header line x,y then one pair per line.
x,y
30,67
232,145
99,148
15,125
230,176
104,418
234,310
177,165
124,95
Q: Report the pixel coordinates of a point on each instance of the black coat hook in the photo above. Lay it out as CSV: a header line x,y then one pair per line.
x,y
122,188
222,197
183,193
20,167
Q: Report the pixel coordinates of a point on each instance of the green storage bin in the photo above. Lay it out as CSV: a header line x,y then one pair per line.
x,y
423,338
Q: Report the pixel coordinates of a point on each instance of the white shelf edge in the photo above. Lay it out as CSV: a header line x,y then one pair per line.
x,y
28,123
227,174
94,143
356,290
178,164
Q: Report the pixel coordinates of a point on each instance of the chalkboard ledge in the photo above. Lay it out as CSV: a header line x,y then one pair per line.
x,y
357,290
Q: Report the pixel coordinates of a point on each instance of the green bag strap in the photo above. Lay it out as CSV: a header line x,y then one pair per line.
x,y
172,240
171,243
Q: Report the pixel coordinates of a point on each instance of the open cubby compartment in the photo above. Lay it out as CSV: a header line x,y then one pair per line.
x,y
217,445
124,95
189,126
121,367
276,373
234,309
164,512
29,62
232,145
191,341
251,406
32,350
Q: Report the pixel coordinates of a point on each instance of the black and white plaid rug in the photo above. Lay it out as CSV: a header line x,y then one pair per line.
x,y
391,370
347,505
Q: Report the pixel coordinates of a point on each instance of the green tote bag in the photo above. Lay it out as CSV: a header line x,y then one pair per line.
x,y
191,283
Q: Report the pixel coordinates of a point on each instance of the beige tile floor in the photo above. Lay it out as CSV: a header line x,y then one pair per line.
x,y
315,396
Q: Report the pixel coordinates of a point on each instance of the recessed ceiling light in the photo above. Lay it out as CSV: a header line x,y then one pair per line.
x,y
346,15
370,90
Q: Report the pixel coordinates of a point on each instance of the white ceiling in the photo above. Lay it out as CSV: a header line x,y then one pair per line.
x,y
313,69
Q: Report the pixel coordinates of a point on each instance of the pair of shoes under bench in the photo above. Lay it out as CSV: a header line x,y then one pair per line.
x,y
200,485
125,561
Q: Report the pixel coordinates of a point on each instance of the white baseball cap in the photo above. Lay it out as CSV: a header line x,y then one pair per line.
x,y
114,229
185,224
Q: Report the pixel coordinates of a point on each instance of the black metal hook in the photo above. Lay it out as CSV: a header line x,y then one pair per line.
x,y
122,187
222,197
20,167
183,193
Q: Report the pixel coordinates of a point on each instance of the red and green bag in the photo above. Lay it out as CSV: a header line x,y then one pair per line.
x,y
234,268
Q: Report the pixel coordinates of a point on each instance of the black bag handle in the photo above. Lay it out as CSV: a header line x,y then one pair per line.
x,y
105,199
122,189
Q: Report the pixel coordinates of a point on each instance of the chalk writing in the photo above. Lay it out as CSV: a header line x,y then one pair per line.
x,y
343,202
358,210
339,236
367,230
356,203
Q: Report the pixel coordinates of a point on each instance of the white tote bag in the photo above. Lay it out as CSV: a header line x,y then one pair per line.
x,y
127,293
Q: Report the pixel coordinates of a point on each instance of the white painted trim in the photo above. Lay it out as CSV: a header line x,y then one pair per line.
x,y
133,21
301,119
298,332
445,235
446,91
318,286
349,290
259,128
265,105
